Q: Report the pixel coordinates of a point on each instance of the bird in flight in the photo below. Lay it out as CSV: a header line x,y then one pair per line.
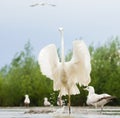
x,y
66,75
42,4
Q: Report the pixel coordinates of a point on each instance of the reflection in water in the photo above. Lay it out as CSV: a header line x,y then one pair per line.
x,y
63,116
77,112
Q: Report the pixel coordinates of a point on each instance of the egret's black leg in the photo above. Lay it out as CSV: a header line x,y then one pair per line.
x,y
69,103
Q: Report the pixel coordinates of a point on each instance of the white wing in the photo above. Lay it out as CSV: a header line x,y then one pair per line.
x,y
94,98
48,60
80,63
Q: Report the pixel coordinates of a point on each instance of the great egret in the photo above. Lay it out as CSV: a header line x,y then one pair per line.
x,y
27,100
97,100
46,102
65,75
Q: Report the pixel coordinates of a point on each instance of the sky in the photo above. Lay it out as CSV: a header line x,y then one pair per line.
x,y
94,21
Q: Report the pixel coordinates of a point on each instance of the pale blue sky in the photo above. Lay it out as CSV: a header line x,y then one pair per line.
x,y
93,20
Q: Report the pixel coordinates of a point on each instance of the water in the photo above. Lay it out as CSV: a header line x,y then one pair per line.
x,y
41,112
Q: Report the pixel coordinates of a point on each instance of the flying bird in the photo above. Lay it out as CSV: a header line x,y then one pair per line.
x,y
42,4
27,100
97,100
34,5
66,75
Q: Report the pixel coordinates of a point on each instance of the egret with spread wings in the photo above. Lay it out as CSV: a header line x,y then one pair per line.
x,y
66,75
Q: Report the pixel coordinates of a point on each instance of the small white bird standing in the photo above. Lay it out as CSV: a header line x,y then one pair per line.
x,y
46,102
66,75
27,100
97,100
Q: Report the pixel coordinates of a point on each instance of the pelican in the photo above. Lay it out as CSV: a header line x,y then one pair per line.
x,y
97,100
66,75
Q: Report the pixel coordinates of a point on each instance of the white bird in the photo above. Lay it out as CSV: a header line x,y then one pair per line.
x,y
46,102
65,75
97,100
27,100
34,5
42,4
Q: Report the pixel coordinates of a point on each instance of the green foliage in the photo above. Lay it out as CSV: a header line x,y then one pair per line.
x,y
106,68
23,76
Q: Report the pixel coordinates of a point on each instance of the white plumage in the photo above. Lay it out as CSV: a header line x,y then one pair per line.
x,y
27,100
42,4
66,74
46,102
97,100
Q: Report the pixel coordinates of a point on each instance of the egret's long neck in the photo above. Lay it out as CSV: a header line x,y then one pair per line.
x,y
62,47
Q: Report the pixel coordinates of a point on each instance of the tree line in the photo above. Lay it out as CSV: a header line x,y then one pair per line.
x,y
22,76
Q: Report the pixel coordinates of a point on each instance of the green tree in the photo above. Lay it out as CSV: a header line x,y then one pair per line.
x,y
23,76
105,68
